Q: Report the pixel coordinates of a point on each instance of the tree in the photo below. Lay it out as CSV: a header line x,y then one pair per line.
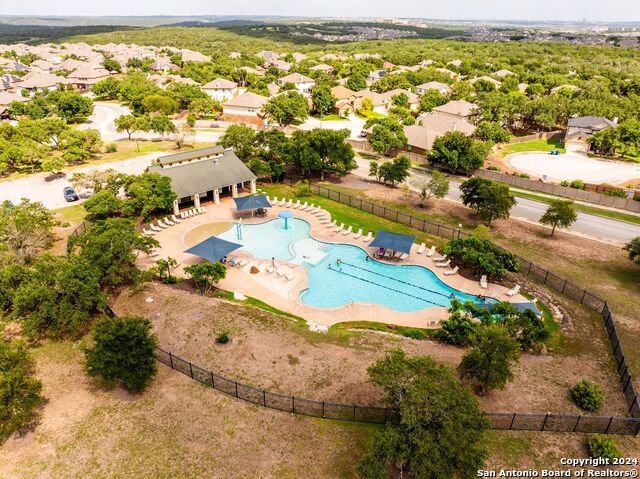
x,y
491,358
69,105
400,100
123,351
374,169
19,390
559,213
103,204
431,99
111,65
321,151
588,395
322,99
439,424
386,134
241,138
160,104
163,267
633,249
456,152
148,193
459,329
437,187
492,131
287,108
395,171
53,164
80,145
482,256
127,123
366,107
490,200
162,125
356,82
206,275
25,230
107,89
45,130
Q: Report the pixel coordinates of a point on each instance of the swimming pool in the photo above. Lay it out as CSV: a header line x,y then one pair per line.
x,y
353,279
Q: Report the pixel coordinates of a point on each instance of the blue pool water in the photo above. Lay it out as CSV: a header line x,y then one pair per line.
x,y
354,280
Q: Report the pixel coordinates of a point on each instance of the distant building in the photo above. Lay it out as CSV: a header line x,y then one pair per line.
x,y
303,83
456,109
443,88
582,128
245,108
221,89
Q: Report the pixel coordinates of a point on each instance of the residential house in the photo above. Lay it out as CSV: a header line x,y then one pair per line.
x,y
456,109
259,72
565,87
245,108
85,77
298,57
42,65
35,81
322,67
342,93
443,88
455,63
332,56
204,175
221,89
281,65
191,56
442,124
374,76
235,55
420,137
446,71
163,64
303,83
414,100
486,78
581,129
380,102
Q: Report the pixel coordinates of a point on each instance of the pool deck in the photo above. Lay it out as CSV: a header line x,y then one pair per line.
x,y
284,294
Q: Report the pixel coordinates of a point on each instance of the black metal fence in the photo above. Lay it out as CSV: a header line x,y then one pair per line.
x,y
382,415
527,268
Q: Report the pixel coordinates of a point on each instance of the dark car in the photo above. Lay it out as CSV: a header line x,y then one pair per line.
x,y
70,194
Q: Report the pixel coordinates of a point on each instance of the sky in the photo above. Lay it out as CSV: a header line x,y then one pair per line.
x,y
571,10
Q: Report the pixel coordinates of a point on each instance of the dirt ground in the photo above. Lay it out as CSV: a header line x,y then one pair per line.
x,y
279,354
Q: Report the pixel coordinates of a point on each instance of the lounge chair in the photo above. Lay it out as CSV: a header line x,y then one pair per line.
x,y
182,215
367,238
155,228
189,213
297,205
339,228
483,281
289,203
304,207
274,201
440,258
269,269
161,224
333,224
358,234
153,253
319,211
310,208
325,220
243,262
403,256
289,275
421,248
175,219
282,201
196,211
444,265
451,272
202,210
167,221
148,232
431,251
515,290
280,272
347,231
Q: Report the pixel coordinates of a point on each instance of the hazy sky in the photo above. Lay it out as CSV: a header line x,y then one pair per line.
x,y
593,10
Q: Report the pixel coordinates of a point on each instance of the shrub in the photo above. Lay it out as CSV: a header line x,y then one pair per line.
x,y
588,395
618,193
577,184
482,256
493,168
604,447
459,329
564,183
223,337
414,333
123,351
19,391
111,148
303,188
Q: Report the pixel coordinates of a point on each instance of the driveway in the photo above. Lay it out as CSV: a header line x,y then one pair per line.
x,y
595,227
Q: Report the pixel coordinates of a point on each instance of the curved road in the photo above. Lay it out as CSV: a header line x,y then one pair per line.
x,y
596,227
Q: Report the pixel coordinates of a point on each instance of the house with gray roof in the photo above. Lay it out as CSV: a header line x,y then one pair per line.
x,y
205,175
581,128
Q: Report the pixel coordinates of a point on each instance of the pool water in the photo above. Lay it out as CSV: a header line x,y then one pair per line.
x,y
341,274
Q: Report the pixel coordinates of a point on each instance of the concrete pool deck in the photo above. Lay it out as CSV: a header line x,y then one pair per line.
x,y
284,294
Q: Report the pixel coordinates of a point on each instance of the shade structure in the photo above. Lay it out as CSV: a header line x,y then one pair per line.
x,y
252,202
213,249
286,216
393,241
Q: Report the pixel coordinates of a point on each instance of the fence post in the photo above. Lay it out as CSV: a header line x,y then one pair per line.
x,y
635,401
354,413
438,231
191,370
563,286
264,398
236,383
545,422
213,381
545,277
293,404
606,431
322,409
385,415
584,293
171,360
512,421
577,422
529,270
396,216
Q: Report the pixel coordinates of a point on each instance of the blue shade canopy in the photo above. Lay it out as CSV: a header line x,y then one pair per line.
x,y
252,202
213,249
286,214
393,241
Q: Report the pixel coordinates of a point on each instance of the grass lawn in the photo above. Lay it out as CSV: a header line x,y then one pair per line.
x,y
372,114
74,215
593,210
533,145
331,118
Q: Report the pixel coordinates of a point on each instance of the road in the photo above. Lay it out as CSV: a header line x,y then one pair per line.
x,y
591,226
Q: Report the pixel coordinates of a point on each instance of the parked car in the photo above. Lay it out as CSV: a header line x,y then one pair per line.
x,y
70,194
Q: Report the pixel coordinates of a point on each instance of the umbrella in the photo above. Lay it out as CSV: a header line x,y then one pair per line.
x,y
213,249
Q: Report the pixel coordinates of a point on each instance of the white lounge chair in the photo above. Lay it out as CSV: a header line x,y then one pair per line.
x,y
269,269
289,275
431,251
183,215
339,228
311,208
167,221
243,262
289,203
358,234
515,290
403,256
440,258
304,207
155,228
162,225
280,272
274,201
483,281
297,205
333,224
451,272
189,213
444,265
367,238
148,232
347,231
421,248
175,219
282,202
325,220
202,210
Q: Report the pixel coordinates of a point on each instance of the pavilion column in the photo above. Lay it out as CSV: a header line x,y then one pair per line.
x,y
234,191
253,187
196,200
176,208
216,196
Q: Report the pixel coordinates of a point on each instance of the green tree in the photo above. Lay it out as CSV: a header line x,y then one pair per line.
x,y
160,104
321,151
491,358
356,82
459,329
456,152
80,145
482,256
148,193
431,99
70,105
588,395
374,169
633,249
491,200
287,108
128,124
25,230
111,65
162,125
123,351
206,275
19,390
53,165
106,89
386,133
241,138
436,187
559,213
103,204
322,99
396,170
439,424
492,131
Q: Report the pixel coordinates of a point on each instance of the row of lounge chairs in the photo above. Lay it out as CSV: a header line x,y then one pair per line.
x,y
280,272
167,221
